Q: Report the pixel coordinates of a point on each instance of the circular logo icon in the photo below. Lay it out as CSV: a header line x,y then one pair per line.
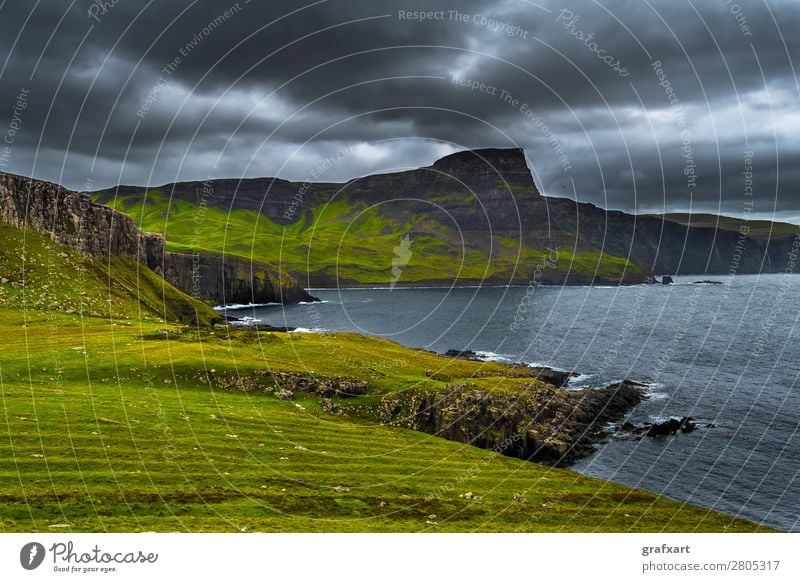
x,y
31,555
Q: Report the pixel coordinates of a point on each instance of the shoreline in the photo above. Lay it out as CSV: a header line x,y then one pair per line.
x,y
375,287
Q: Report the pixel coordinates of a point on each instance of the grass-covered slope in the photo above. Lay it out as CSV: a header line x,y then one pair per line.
x,y
36,273
122,427
349,242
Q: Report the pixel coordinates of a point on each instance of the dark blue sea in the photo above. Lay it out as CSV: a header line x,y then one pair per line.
x,y
724,353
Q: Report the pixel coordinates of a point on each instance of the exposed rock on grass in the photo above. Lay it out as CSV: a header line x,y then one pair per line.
x,y
544,424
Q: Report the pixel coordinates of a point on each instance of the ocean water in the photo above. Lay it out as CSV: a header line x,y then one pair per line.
x,y
724,353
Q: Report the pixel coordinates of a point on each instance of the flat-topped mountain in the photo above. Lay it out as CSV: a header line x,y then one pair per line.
x,y
472,217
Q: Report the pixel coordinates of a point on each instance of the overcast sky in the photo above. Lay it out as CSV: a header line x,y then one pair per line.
x,y
152,92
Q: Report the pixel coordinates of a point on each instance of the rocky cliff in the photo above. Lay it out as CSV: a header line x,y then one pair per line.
x,y
478,192
226,279
73,220
657,245
532,420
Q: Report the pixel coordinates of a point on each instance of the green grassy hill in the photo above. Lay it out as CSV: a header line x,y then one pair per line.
x,y
123,427
36,273
348,242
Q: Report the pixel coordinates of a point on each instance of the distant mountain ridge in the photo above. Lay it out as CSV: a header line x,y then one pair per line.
x,y
475,216
757,229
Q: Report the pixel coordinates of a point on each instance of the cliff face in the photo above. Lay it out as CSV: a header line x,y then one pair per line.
x,y
226,279
657,245
479,192
73,220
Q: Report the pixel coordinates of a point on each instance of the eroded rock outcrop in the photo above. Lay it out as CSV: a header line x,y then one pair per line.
x,y
545,424
285,384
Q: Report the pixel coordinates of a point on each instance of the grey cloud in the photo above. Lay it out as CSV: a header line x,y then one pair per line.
x,y
92,79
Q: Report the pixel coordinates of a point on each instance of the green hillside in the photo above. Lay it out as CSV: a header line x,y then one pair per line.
x,y
353,243
36,273
123,427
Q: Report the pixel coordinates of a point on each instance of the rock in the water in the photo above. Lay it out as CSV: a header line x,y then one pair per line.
x,y
657,429
667,427
667,280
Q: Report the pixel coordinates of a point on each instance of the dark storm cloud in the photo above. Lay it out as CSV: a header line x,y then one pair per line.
x,y
272,88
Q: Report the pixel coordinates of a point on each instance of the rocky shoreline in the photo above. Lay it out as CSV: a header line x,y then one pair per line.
x,y
547,424
537,421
